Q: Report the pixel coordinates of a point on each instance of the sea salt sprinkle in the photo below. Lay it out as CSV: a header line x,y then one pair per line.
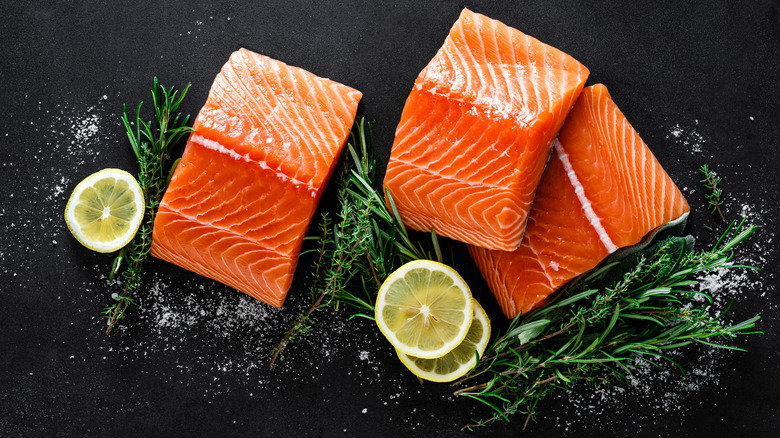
x,y
689,138
85,128
702,364
68,138
227,335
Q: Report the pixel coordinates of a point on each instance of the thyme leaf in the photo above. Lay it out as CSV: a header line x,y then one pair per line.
x,y
713,198
592,331
362,245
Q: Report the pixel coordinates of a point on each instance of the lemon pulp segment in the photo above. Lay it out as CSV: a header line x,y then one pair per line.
x,y
105,210
424,309
460,360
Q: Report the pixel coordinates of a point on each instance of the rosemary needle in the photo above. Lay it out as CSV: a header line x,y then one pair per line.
x,y
151,147
362,246
592,332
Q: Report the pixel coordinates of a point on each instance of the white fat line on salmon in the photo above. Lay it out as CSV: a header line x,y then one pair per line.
x,y
216,146
580,191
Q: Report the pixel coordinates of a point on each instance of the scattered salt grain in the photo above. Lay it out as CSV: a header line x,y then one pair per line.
x,y
85,128
724,285
171,315
690,138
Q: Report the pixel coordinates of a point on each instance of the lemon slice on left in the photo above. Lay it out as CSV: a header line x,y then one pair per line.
x,y
105,210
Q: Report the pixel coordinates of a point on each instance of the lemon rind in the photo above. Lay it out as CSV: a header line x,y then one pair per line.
x,y
479,313
388,333
71,222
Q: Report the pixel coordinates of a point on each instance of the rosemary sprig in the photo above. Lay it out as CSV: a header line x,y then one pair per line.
x,y
713,198
151,146
593,333
365,244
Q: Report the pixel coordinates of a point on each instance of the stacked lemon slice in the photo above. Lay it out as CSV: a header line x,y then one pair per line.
x,y
426,311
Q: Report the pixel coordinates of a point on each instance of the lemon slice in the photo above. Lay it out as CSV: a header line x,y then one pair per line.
x,y
460,360
424,309
105,210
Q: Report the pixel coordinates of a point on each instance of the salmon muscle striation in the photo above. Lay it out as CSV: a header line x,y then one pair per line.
x,y
476,132
263,148
602,190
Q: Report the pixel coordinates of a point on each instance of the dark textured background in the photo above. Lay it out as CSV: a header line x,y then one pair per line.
x,y
698,80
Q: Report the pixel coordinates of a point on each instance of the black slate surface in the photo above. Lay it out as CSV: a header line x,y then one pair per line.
x,y
698,80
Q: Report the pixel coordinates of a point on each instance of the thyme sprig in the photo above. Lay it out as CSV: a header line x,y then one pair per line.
x,y
365,244
594,334
710,182
151,146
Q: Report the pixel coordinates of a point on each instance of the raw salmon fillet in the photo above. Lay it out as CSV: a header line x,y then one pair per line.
x,y
262,150
602,190
476,132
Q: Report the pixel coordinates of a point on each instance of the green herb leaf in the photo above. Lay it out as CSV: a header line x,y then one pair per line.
x,y
366,242
710,182
151,148
605,328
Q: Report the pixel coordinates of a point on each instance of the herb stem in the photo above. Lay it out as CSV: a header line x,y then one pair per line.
x,y
368,242
124,300
593,332
713,198
152,151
